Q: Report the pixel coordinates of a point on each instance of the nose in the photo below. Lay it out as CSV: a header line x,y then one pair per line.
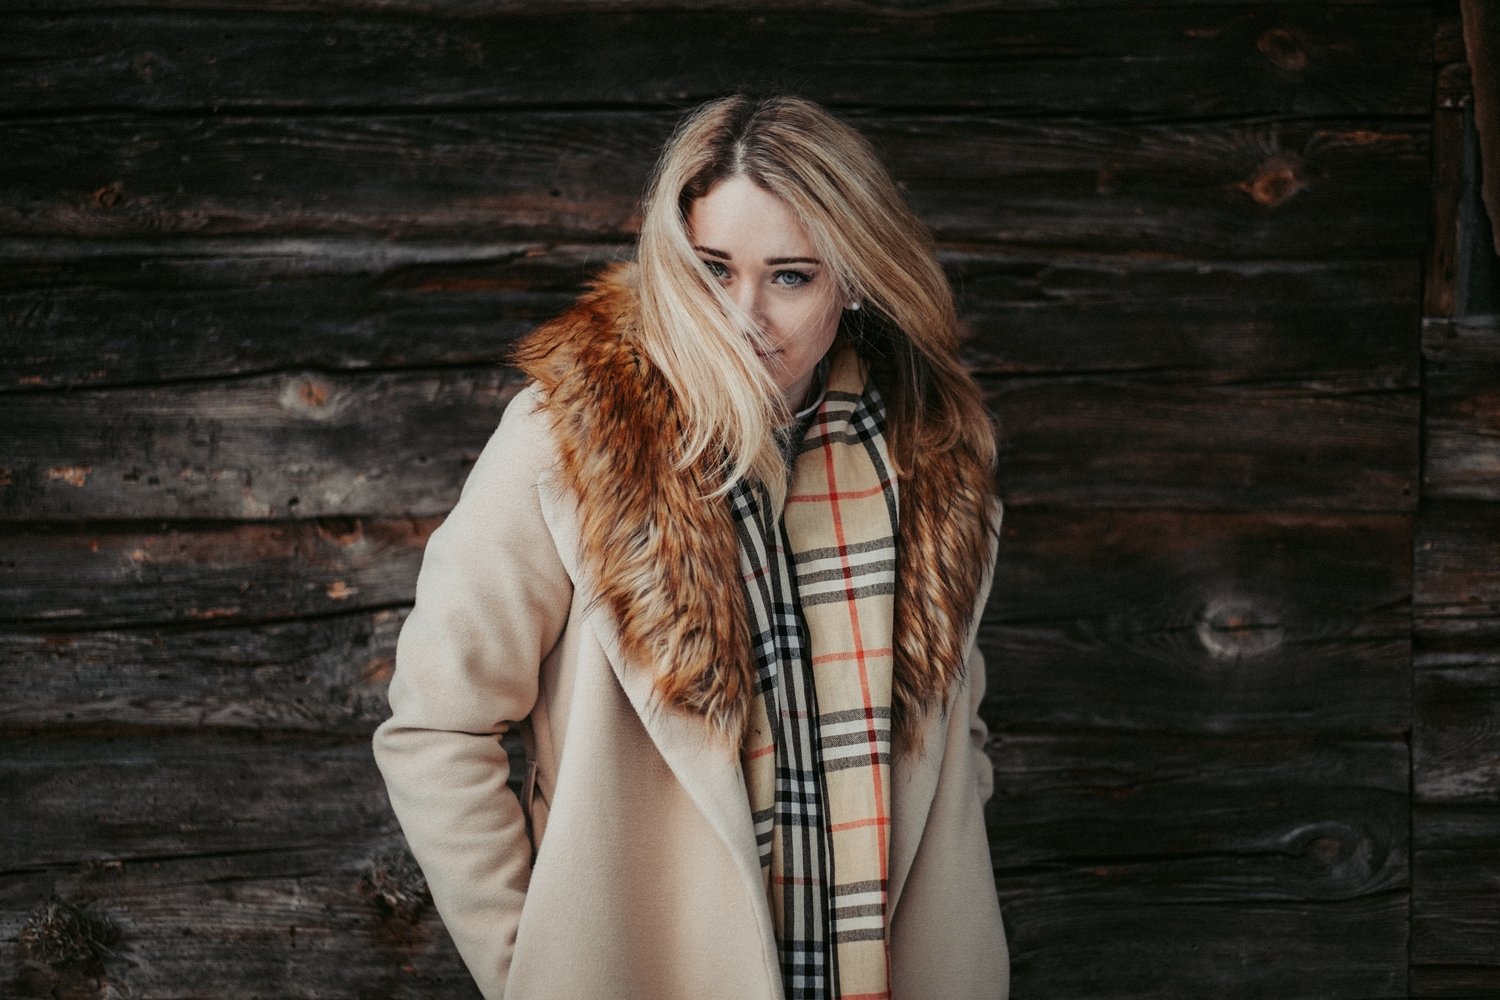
x,y
747,295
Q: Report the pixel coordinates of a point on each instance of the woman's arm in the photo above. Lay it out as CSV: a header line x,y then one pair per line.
x,y
492,598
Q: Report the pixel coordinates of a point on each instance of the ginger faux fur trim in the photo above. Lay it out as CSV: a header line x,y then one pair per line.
x,y
666,562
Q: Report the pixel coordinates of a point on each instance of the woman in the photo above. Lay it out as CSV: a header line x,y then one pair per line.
x,y
722,564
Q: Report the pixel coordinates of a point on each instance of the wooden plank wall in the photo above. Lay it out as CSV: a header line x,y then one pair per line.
x,y
1455,933
259,265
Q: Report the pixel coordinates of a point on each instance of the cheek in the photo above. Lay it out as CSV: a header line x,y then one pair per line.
x,y
815,322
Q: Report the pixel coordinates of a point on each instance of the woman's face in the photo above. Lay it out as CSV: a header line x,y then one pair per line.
x,y
752,242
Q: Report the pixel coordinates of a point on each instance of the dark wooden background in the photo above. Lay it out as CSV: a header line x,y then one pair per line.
x,y
259,264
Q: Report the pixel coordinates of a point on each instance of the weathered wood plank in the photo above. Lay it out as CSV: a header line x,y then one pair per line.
x,y
1457,586
139,796
1456,755
1455,926
1268,819
172,310
326,674
1158,621
1195,61
303,444
1132,944
1454,826
1133,866
1137,443
1304,188
1455,941
1073,946
1456,731
1461,409
71,316
292,923
1346,325
266,447
99,576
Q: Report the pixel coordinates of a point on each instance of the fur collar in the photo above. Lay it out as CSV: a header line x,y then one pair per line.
x,y
666,562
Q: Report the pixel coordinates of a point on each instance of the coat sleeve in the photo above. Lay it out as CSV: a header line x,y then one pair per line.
x,y
979,732
984,770
492,598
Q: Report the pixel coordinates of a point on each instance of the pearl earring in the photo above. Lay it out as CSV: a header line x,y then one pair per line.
x,y
853,305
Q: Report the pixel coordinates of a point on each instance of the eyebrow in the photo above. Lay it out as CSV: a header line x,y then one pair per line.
x,y
770,261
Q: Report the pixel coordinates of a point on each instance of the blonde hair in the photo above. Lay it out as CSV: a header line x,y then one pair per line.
x,y
869,240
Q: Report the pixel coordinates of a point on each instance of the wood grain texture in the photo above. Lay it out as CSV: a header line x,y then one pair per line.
x,y
1461,409
1340,324
1193,61
1171,621
294,922
324,674
1096,441
171,310
1140,944
261,448
1457,583
1456,735
1258,188
100,576
123,795
1137,865
1455,930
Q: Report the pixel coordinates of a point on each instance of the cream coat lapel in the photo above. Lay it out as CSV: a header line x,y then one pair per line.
x,y
709,772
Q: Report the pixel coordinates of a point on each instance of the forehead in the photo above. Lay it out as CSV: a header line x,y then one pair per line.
x,y
739,217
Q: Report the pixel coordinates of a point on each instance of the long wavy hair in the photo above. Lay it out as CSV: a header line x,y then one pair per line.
x,y
870,241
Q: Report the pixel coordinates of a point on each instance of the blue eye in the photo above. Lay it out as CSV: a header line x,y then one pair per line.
x,y
791,279
716,269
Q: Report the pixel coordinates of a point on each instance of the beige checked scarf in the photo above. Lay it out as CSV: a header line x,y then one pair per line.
x,y
819,584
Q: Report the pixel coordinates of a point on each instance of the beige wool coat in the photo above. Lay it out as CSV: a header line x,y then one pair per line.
x,y
628,868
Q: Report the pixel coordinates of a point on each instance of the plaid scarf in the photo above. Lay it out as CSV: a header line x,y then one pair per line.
x,y
819,581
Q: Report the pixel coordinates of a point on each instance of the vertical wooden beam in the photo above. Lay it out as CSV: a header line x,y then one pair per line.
x,y
1451,96
1481,22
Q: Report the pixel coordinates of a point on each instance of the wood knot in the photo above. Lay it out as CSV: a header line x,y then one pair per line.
x,y
378,671
393,882
339,590
1283,49
1336,857
109,195
60,934
73,475
147,66
341,530
1274,183
312,392
1236,629
310,396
